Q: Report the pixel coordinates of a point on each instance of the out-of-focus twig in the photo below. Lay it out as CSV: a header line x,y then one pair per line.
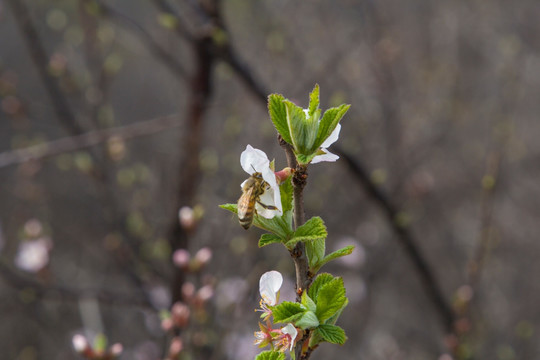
x,y
153,47
405,237
41,61
51,292
88,139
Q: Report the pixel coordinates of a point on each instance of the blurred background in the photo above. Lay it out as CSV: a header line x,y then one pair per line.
x,y
121,127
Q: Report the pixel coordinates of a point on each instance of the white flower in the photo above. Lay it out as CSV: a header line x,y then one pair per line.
x,y
33,255
286,340
328,156
255,160
269,286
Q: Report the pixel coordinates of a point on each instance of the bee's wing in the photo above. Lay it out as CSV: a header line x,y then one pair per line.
x,y
246,203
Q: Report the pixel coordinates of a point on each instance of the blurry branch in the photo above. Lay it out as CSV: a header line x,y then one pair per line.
x,y
86,140
41,61
153,47
405,237
53,292
489,182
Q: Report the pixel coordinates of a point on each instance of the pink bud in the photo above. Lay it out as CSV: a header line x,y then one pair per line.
x,y
175,347
80,344
181,258
202,257
205,293
283,175
180,314
188,290
116,349
167,324
186,216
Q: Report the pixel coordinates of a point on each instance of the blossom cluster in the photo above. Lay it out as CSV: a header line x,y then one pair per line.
x,y
281,339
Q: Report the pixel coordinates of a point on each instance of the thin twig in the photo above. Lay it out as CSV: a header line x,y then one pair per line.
x,y
406,239
88,139
48,291
41,61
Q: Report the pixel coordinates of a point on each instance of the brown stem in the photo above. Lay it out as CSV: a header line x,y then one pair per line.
x,y
298,254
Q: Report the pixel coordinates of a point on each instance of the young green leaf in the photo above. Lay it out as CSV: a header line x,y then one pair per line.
x,y
278,115
267,239
287,312
286,191
314,100
336,254
307,321
312,230
279,225
318,283
315,252
332,333
308,302
329,121
298,127
231,207
330,299
270,355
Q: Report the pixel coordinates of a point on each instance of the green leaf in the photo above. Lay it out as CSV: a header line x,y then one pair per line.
x,y
332,333
314,100
330,299
308,302
305,159
329,121
100,342
315,252
267,239
231,207
332,256
287,312
270,355
278,115
296,123
307,321
333,319
312,230
318,283
286,191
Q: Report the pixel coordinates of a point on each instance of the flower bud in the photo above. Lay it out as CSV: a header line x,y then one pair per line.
x,y
284,174
202,257
180,314
188,290
176,347
80,344
116,349
186,216
181,259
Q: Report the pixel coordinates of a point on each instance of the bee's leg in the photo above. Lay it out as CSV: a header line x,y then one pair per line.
x,y
268,207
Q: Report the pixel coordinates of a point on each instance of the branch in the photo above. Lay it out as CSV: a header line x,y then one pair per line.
x,y
86,140
406,239
41,61
20,282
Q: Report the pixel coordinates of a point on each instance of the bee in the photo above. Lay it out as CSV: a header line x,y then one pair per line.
x,y
252,190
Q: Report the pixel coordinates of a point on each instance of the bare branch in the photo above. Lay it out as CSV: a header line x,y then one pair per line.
x,y
41,61
86,140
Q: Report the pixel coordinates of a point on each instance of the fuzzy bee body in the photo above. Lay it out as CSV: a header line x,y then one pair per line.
x,y
252,190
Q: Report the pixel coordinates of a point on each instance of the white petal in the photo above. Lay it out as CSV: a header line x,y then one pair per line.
x,y
254,160
269,285
268,199
325,157
332,138
291,330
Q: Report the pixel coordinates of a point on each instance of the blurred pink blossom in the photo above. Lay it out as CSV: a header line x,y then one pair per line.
x,y
33,255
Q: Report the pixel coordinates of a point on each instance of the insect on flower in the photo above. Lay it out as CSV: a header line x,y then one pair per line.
x,y
252,189
260,192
